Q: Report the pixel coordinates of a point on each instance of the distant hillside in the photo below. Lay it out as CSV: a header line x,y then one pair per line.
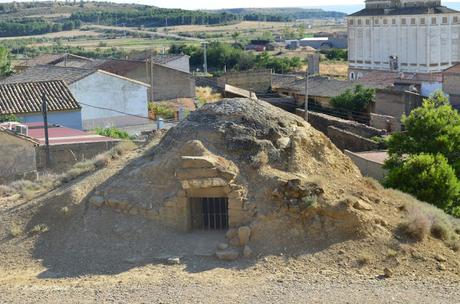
x,y
282,14
32,18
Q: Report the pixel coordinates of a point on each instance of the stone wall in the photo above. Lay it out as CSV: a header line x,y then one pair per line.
x,y
65,156
204,176
345,140
322,121
451,87
259,81
367,167
17,157
384,122
395,103
169,84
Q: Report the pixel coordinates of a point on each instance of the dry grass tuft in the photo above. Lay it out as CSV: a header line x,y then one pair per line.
x,y
39,229
102,160
26,188
122,148
15,230
206,95
364,260
425,220
417,227
6,191
65,211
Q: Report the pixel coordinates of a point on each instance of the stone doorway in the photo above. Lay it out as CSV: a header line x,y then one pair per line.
x,y
209,213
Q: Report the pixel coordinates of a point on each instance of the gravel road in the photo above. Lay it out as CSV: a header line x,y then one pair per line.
x,y
172,284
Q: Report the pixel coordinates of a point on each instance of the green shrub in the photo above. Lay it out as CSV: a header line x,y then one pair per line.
x,y
113,133
8,118
428,177
356,100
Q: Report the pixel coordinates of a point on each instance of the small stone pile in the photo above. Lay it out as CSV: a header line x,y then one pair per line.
x,y
237,244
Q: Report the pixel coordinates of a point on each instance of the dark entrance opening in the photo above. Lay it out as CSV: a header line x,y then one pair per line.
x,y
209,213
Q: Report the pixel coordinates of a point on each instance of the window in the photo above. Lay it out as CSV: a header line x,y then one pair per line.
x,y
368,22
433,20
412,21
385,21
444,20
376,21
360,21
422,21
403,21
393,21
455,19
351,22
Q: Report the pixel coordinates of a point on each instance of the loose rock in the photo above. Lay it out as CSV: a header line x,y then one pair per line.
x,y
247,251
96,201
244,234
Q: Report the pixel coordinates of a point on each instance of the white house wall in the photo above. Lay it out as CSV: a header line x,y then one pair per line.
x,y
113,100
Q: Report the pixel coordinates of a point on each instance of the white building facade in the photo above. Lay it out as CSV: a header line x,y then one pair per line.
x,y
109,100
413,36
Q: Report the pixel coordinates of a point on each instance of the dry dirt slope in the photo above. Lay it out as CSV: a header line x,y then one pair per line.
x,y
349,231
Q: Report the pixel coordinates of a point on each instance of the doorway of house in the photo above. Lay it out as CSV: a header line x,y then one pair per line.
x,y
209,213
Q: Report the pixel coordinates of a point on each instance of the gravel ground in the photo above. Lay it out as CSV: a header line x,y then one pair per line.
x,y
173,284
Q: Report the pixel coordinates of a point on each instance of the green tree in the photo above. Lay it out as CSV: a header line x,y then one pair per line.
x,y
428,177
267,35
235,36
425,158
433,128
5,62
301,31
356,100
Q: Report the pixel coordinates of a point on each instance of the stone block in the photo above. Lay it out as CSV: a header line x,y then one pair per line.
x,y
244,233
191,173
203,183
197,162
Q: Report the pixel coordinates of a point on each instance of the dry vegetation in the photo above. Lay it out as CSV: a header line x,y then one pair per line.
x,y
423,220
27,189
206,95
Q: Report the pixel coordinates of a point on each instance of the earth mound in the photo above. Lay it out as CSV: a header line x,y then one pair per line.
x,y
273,183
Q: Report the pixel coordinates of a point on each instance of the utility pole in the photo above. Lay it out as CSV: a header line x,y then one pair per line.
x,y
205,59
45,125
306,95
151,75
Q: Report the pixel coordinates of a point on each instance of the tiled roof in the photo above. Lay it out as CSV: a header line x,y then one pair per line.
x,y
403,11
22,98
159,59
453,70
120,67
317,86
49,72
